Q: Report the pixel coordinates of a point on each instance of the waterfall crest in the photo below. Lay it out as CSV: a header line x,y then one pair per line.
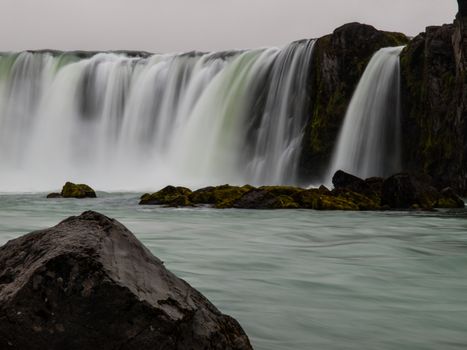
x,y
120,122
369,140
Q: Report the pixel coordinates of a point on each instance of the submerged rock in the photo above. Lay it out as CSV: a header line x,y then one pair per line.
x,y
71,190
88,283
54,195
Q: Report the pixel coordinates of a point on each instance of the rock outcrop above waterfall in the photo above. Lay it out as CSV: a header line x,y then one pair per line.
x,y
462,7
71,190
88,283
434,91
339,61
400,191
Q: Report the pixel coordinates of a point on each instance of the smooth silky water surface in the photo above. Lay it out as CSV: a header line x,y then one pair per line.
x,y
299,279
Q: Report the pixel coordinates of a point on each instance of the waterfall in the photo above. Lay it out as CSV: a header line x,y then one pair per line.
x,y
132,122
369,141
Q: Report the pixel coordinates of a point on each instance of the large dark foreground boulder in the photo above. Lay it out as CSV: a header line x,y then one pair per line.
x,y
88,283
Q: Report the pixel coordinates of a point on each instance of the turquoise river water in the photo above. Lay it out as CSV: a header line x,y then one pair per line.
x,y
299,279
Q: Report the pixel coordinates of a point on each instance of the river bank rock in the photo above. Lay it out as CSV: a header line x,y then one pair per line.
x,y
88,283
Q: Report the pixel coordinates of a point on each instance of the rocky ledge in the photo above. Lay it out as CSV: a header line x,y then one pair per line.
x,y
400,191
88,283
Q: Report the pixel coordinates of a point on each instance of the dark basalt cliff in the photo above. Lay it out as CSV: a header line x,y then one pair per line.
x,y
433,89
434,93
339,61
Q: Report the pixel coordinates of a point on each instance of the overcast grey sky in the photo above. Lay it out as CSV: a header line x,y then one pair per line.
x,y
182,25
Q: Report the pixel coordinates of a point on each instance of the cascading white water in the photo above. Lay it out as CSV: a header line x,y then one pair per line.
x,y
120,122
369,140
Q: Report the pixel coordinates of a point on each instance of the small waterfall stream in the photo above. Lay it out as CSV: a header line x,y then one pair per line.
x,y
369,141
120,122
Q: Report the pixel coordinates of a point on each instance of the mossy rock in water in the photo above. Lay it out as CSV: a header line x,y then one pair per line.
x,y
221,196
363,202
255,199
264,199
336,203
225,196
71,190
203,196
284,202
449,200
308,199
402,191
324,190
282,190
170,196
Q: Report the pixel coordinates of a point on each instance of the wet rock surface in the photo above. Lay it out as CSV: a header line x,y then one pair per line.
x,y
434,95
88,283
71,190
340,60
400,191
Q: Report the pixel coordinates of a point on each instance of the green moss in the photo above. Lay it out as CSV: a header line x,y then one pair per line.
x,y
220,196
145,197
336,203
225,196
449,200
429,96
71,190
361,201
248,187
170,196
281,190
308,199
180,201
396,39
284,202
203,196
